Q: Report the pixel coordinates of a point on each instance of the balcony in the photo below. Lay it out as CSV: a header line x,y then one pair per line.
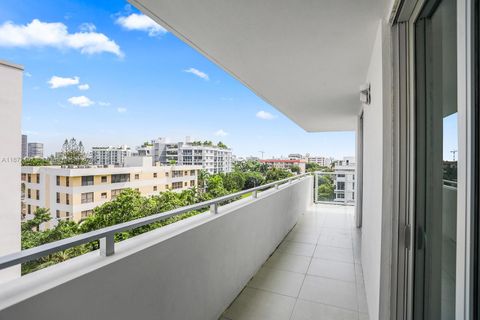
x,y
315,273
274,248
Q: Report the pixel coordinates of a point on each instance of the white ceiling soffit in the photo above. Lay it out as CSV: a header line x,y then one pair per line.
x,y
307,58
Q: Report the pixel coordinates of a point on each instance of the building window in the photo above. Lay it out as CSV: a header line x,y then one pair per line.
x,y
87,197
104,179
38,178
67,198
115,193
29,193
340,185
192,183
186,184
58,180
154,188
29,178
86,213
67,214
166,174
177,174
341,175
177,185
87,181
67,181
103,195
29,209
38,194
57,214
192,172
167,187
58,197
137,176
118,178
154,174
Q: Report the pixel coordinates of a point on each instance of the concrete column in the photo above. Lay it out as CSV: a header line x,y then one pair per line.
x,y
11,77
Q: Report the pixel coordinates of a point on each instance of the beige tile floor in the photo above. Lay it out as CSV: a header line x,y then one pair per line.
x,y
315,273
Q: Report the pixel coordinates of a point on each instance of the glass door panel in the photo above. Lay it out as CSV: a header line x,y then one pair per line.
x,y
436,161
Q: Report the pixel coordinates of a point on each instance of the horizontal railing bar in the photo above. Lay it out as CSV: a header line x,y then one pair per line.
x,y
23,256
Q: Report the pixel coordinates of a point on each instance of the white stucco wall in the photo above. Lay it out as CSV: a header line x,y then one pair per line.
x,y
10,161
192,269
372,179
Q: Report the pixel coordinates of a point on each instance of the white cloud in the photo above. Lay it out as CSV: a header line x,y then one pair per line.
x,y
81,101
59,82
87,27
103,103
221,133
55,34
198,73
84,86
265,115
121,110
142,23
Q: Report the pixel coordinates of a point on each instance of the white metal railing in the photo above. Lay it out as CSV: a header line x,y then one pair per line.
x,y
330,180
106,236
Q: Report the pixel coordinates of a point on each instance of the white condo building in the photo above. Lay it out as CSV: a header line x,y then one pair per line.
x,y
322,161
110,155
345,180
212,158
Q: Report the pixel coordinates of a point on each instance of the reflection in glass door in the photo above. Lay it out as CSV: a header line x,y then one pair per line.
x,y
436,161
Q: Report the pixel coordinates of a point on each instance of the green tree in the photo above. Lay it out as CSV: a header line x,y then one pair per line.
x,y
253,179
215,186
295,169
73,153
326,188
41,215
221,145
276,174
234,181
312,167
35,162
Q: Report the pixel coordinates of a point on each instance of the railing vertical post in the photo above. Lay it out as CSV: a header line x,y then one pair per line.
x,y
276,185
107,245
255,194
315,187
214,208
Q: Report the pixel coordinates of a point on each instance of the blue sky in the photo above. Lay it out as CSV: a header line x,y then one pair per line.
x,y
138,84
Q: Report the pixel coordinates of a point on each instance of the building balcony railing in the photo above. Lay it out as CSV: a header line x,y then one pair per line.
x,y
167,271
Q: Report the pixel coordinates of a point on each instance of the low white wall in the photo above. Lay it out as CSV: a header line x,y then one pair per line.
x,y
11,78
189,270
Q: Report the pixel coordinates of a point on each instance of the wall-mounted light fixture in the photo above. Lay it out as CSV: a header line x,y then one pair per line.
x,y
365,93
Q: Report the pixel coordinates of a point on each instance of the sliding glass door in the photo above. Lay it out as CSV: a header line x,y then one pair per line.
x,y
436,147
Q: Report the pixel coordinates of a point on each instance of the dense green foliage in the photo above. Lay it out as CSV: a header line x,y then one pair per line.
x,y
130,205
326,188
35,162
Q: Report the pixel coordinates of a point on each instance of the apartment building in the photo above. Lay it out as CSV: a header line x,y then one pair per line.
x,y
345,180
24,146
35,150
73,192
110,155
212,158
321,161
285,164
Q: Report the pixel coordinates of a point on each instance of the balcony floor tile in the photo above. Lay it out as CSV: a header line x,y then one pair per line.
x,y
315,273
